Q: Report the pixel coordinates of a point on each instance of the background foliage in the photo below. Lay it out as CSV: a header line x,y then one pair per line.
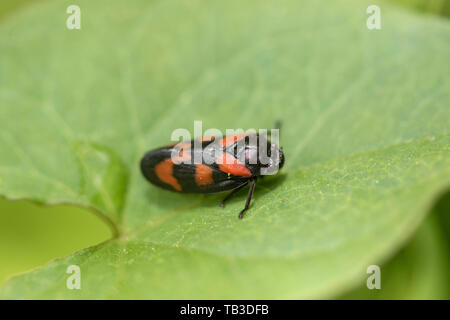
x,y
376,179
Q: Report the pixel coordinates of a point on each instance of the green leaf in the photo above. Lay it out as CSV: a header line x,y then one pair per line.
x,y
365,133
419,271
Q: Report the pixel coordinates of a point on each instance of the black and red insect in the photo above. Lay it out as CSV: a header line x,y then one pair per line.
x,y
236,161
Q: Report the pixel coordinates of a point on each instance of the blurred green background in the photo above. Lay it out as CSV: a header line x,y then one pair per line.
x,y
31,235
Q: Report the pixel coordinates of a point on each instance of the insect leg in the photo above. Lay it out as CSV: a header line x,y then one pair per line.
x,y
249,198
234,191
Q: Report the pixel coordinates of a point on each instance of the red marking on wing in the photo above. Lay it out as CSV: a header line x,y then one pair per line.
x,y
231,165
203,175
229,140
184,153
164,171
207,139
